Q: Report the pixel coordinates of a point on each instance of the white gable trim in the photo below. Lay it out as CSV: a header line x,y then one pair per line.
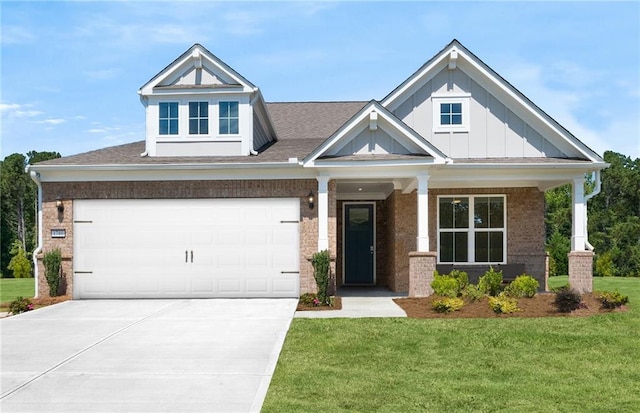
x,y
370,116
456,56
196,56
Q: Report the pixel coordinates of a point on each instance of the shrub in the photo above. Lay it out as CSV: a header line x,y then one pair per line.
x,y
502,304
523,286
320,262
52,262
19,264
448,305
308,298
567,299
462,278
20,305
611,300
445,285
491,282
472,292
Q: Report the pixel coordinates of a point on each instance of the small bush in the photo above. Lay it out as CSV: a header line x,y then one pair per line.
x,y
491,282
448,305
462,278
472,292
523,286
445,285
502,304
321,267
19,264
611,300
567,299
20,305
308,298
52,261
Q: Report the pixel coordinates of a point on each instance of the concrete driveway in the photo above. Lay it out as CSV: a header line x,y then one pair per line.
x,y
143,355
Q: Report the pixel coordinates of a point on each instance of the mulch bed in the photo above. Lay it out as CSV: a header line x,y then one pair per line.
x,y
310,307
539,306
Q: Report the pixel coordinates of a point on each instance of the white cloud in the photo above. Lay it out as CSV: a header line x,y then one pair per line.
x,y
102,130
16,110
55,121
16,35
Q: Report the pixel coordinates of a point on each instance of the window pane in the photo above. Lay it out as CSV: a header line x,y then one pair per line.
x,y
193,109
204,126
233,126
233,109
173,110
193,126
482,246
173,126
461,247
446,212
444,120
446,247
224,109
461,212
164,127
496,253
164,110
496,210
456,119
456,108
224,126
481,213
204,109
445,108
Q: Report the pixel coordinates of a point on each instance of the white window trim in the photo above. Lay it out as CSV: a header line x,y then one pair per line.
x,y
462,98
471,229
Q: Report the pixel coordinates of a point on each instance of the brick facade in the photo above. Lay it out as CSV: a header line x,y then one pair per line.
x,y
68,191
581,271
421,268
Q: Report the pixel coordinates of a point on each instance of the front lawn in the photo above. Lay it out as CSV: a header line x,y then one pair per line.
x,y
10,288
464,365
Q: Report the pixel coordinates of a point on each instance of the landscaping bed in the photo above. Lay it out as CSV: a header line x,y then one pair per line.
x,y
541,305
305,306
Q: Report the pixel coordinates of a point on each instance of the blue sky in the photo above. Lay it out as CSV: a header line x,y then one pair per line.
x,y
71,70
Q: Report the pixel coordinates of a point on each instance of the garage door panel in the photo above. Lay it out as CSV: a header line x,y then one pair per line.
x,y
142,248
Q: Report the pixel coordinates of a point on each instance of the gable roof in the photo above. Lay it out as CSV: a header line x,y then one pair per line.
x,y
455,55
399,128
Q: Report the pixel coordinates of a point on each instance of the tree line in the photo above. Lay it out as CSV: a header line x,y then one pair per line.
x,y
614,218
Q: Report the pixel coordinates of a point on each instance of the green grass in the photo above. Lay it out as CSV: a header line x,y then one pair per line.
x,y
10,288
461,365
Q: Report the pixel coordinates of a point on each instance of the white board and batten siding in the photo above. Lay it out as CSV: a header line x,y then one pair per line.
x,y
494,130
186,248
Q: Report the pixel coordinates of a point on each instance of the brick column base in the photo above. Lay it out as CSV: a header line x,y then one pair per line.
x,y
421,268
581,271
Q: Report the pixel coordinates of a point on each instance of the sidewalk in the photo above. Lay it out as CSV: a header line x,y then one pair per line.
x,y
359,303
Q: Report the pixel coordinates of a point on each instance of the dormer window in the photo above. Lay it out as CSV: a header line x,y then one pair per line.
x,y
451,112
228,118
168,118
198,118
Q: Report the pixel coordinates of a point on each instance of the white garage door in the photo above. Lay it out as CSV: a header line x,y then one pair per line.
x,y
186,248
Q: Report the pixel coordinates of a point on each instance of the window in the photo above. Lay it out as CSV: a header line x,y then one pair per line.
x,y
471,229
228,118
168,118
198,118
451,112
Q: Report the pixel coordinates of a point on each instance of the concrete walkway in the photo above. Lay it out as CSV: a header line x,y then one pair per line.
x,y
359,303
143,355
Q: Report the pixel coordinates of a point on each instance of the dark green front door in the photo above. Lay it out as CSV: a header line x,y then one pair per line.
x,y
358,244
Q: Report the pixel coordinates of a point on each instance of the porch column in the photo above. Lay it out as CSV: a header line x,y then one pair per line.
x,y
323,213
423,213
580,260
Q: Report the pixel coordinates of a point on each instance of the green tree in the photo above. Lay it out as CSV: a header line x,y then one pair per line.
x,y
19,264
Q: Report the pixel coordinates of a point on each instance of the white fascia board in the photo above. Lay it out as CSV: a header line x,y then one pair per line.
x,y
587,167
416,81
370,163
365,173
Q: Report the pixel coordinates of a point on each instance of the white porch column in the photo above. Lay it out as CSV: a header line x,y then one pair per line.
x,y
423,213
578,227
323,213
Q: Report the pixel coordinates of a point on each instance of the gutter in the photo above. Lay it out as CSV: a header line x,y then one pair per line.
x,y
35,176
174,166
595,192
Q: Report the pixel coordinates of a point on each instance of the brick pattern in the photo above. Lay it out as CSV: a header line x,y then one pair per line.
x,y
581,271
421,268
182,189
401,238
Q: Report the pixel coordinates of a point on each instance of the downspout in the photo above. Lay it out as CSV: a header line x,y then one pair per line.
x,y
252,102
595,192
35,176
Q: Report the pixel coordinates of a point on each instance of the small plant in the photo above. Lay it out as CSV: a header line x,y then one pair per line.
x,y
491,282
20,305
320,262
462,278
523,286
567,300
308,298
448,305
19,264
445,286
501,304
472,292
52,261
611,300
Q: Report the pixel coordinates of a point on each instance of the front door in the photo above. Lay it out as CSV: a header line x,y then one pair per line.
x,y
359,244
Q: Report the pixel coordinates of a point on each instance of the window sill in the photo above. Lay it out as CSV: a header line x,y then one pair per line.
x,y
199,138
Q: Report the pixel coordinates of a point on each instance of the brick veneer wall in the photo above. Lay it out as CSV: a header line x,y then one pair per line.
x,y
581,271
401,210
68,191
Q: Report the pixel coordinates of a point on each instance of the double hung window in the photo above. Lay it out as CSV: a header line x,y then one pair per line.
x,y
168,124
228,118
198,118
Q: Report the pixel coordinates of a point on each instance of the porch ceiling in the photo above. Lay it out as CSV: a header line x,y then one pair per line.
x,y
357,190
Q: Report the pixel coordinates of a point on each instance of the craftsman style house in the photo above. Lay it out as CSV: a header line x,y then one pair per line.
x,y
229,196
